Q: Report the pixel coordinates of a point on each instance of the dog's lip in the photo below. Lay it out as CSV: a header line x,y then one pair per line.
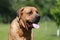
x,y
29,23
33,24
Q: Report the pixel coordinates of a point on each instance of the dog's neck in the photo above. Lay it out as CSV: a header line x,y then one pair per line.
x,y
22,31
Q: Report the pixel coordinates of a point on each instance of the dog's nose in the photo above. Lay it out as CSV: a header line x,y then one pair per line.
x,y
37,16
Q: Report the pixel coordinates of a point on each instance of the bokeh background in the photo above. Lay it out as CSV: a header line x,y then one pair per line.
x,y
49,10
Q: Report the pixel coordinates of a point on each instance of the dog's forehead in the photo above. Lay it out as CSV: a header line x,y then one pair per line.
x,y
27,9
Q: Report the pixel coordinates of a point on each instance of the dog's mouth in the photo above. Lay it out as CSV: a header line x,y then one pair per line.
x,y
33,24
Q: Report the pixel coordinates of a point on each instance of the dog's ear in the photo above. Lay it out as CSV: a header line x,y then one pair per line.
x,y
19,12
23,24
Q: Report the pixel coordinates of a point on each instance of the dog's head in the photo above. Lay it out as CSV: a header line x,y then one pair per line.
x,y
29,16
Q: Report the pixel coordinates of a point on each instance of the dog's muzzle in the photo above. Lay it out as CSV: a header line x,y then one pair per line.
x,y
34,23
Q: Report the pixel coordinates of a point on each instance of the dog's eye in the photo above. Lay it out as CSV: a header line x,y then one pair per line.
x,y
30,12
36,11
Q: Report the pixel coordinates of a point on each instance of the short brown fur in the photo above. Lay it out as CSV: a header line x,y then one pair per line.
x,y
18,29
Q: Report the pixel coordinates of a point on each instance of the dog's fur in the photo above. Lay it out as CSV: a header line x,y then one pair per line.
x,y
19,30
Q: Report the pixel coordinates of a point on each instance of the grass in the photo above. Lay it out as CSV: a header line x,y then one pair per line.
x,y
39,34
4,31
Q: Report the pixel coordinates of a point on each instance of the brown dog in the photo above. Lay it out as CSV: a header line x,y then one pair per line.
x,y
20,29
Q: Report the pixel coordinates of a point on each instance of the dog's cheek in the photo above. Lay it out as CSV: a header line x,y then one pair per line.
x,y
27,18
23,17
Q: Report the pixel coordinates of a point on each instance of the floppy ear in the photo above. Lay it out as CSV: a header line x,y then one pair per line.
x,y
23,24
19,12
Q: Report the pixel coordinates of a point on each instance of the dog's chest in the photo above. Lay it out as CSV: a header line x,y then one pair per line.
x,y
26,35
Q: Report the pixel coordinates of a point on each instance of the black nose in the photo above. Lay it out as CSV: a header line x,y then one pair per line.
x,y
37,17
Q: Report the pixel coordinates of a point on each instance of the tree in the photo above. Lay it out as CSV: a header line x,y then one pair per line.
x,y
45,6
55,12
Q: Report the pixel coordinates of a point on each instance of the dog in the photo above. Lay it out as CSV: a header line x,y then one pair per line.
x,y
21,27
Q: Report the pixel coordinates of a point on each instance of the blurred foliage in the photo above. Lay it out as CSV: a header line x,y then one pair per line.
x,y
55,12
6,11
47,8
